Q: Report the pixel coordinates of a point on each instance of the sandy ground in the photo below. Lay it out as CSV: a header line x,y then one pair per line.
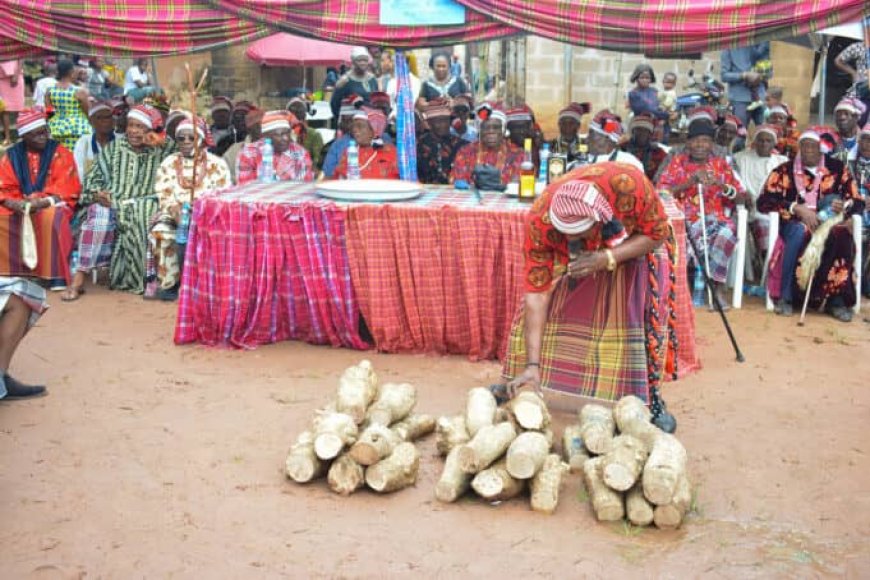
x,y
153,461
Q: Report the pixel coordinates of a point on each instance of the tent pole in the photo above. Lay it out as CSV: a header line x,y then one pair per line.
x,y
823,82
304,77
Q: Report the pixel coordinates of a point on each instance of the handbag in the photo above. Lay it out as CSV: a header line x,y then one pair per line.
x,y
487,178
28,240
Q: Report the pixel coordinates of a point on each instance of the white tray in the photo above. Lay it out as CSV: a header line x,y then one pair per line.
x,y
369,190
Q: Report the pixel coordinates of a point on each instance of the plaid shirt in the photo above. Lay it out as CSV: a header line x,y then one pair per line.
x,y
291,165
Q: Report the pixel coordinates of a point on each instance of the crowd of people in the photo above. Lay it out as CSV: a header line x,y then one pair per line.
x,y
103,178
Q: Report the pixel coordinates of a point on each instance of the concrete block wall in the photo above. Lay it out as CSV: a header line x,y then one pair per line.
x,y
793,71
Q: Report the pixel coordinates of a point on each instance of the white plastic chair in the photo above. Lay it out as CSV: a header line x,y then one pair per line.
x,y
736,268
859,260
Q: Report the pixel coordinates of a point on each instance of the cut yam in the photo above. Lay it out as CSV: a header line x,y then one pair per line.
x,y
345,475
397,471
606,503
637,508
526,454
394,402
546,483
596,428
332,432
632,417
531,411
573,450
495,483
357,388
374,444
414,427
671,515
624,463
486,447
450,432
663,470
480,409
505,415
302,463
453,482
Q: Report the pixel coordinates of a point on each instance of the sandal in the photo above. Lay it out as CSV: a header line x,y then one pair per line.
x,y
72,293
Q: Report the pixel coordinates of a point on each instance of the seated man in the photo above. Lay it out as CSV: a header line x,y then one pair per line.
x,y
437,149
698,170
798,190
253,121
117,204
377,160
641,146
40,172
459,124
521,126
21,305
221,117
308,137
139,82
102,133
349,107
731,135
568,141
238,128
605,131
590,246
291,161
780,117
492,152
754,165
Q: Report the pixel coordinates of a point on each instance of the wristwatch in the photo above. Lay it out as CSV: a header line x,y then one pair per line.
x,y
611,260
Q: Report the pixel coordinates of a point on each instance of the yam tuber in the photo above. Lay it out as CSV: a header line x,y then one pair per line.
x,y
596,428
375,443
531,411
632,417
606,503
624,463
357,388
546,483
480,408
526,454
453,482
671,515
664,468
397,471
573,450
394,402
414,427
637,508
345,475
450,432
332,432
302,463
486,447
505,415
495,483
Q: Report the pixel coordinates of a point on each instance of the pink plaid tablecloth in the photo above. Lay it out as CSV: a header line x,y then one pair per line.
x,y
438,274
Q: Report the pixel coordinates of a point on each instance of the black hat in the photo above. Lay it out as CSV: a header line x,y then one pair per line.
x,y
701,129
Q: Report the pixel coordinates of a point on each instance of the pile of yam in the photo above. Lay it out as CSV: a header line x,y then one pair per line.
x,y
500,453
632,469
365,437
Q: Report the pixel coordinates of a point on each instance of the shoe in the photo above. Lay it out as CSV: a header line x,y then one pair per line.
x,y
841,313
18,390
170,295
661,418
784,308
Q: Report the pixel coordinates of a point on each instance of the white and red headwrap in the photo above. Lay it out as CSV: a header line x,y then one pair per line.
x,y
577,206
865,130
30,120
607,124
201,128
221,104
376,119
522,113
176,114
772,130
736,123
350,105
437,108
488,112
97,106
852,105
275,120
147,115
702,112
782,109
642,121
575,111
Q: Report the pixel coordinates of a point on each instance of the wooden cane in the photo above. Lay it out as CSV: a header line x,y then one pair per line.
x,y
806,302
194,90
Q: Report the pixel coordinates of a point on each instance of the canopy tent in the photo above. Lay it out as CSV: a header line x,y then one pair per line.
x,y
284,49
145,27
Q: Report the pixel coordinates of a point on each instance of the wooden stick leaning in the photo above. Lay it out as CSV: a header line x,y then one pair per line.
x,y
194,90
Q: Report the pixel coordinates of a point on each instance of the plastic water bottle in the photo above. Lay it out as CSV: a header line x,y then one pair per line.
x,y
543,170
74,262
825,214
266,171
183,225
353,160
698,288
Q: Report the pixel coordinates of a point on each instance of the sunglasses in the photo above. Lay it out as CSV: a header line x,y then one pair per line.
x,y
184,138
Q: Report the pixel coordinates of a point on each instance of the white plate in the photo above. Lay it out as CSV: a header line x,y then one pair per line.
x,y
369,190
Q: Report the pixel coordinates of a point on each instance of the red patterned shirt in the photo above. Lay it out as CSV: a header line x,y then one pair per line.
x,y
681,169
374,163
291,165
508,158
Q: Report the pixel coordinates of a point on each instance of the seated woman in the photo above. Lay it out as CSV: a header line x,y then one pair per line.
x,y
798,190
493,151
592,280
41,172
697,168
21,305
377,160
118,201
178,176
290,160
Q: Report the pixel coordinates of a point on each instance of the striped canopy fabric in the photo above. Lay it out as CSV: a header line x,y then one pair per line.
x,y
653,27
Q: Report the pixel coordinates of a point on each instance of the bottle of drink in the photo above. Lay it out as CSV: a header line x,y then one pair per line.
x,y
183,224
527,174
698,288
266,171
353,160
543,170
581,157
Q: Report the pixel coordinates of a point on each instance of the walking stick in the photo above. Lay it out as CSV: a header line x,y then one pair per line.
x,y
194,90
718,305
806,302
704,240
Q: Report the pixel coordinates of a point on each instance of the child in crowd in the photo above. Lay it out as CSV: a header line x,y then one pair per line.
x,y
772,99
765,69
668,102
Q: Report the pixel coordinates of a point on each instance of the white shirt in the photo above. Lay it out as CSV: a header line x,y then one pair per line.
x,y
134,74
41,89
84,156
393,90
755,170
621,157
